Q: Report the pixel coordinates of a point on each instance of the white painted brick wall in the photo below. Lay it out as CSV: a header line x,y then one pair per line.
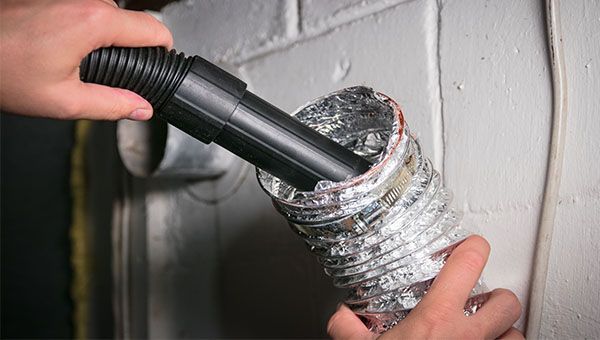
x,y
319,16
497,98
357,53
572,308
219,30
473,80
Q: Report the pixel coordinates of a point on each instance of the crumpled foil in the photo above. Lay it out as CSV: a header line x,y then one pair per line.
x,y
383,235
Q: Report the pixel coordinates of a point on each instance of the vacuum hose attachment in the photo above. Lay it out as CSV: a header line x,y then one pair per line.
x,y
210,104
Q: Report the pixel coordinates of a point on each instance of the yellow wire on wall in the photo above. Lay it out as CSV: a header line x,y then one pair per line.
x,y
80,246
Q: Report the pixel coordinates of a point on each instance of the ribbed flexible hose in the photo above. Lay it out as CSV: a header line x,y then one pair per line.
x,y
152,72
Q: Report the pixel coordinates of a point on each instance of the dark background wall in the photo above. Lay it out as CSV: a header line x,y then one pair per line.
x,y
35,220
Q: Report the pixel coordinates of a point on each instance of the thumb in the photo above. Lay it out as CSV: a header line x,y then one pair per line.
x,y
344,324
108,103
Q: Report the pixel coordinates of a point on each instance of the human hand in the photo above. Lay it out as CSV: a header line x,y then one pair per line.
x,y
440,313
42,44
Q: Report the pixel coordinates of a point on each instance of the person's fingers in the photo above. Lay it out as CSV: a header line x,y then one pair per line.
x,y
498,313
459,275
344,324
136,29
92,101
512,334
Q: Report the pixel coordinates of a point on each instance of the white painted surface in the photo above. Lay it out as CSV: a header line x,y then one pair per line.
x,y
473,79
572,306
219,30
398,62
497,100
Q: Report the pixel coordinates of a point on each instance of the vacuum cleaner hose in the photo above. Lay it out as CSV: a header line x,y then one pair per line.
x,y
210,104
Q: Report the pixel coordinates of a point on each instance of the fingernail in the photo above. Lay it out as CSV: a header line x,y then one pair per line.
x,y
140,114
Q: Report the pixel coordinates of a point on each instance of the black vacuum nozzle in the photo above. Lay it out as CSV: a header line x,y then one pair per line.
x,y
210,104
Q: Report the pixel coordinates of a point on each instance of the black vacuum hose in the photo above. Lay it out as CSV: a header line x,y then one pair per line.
x,y
212,105
152,72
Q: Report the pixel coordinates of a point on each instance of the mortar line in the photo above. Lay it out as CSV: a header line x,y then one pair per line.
x,y
441,136
292,19
299,13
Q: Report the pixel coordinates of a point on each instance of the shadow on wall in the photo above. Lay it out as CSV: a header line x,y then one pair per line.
x,y
268,291
231,269
153,5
